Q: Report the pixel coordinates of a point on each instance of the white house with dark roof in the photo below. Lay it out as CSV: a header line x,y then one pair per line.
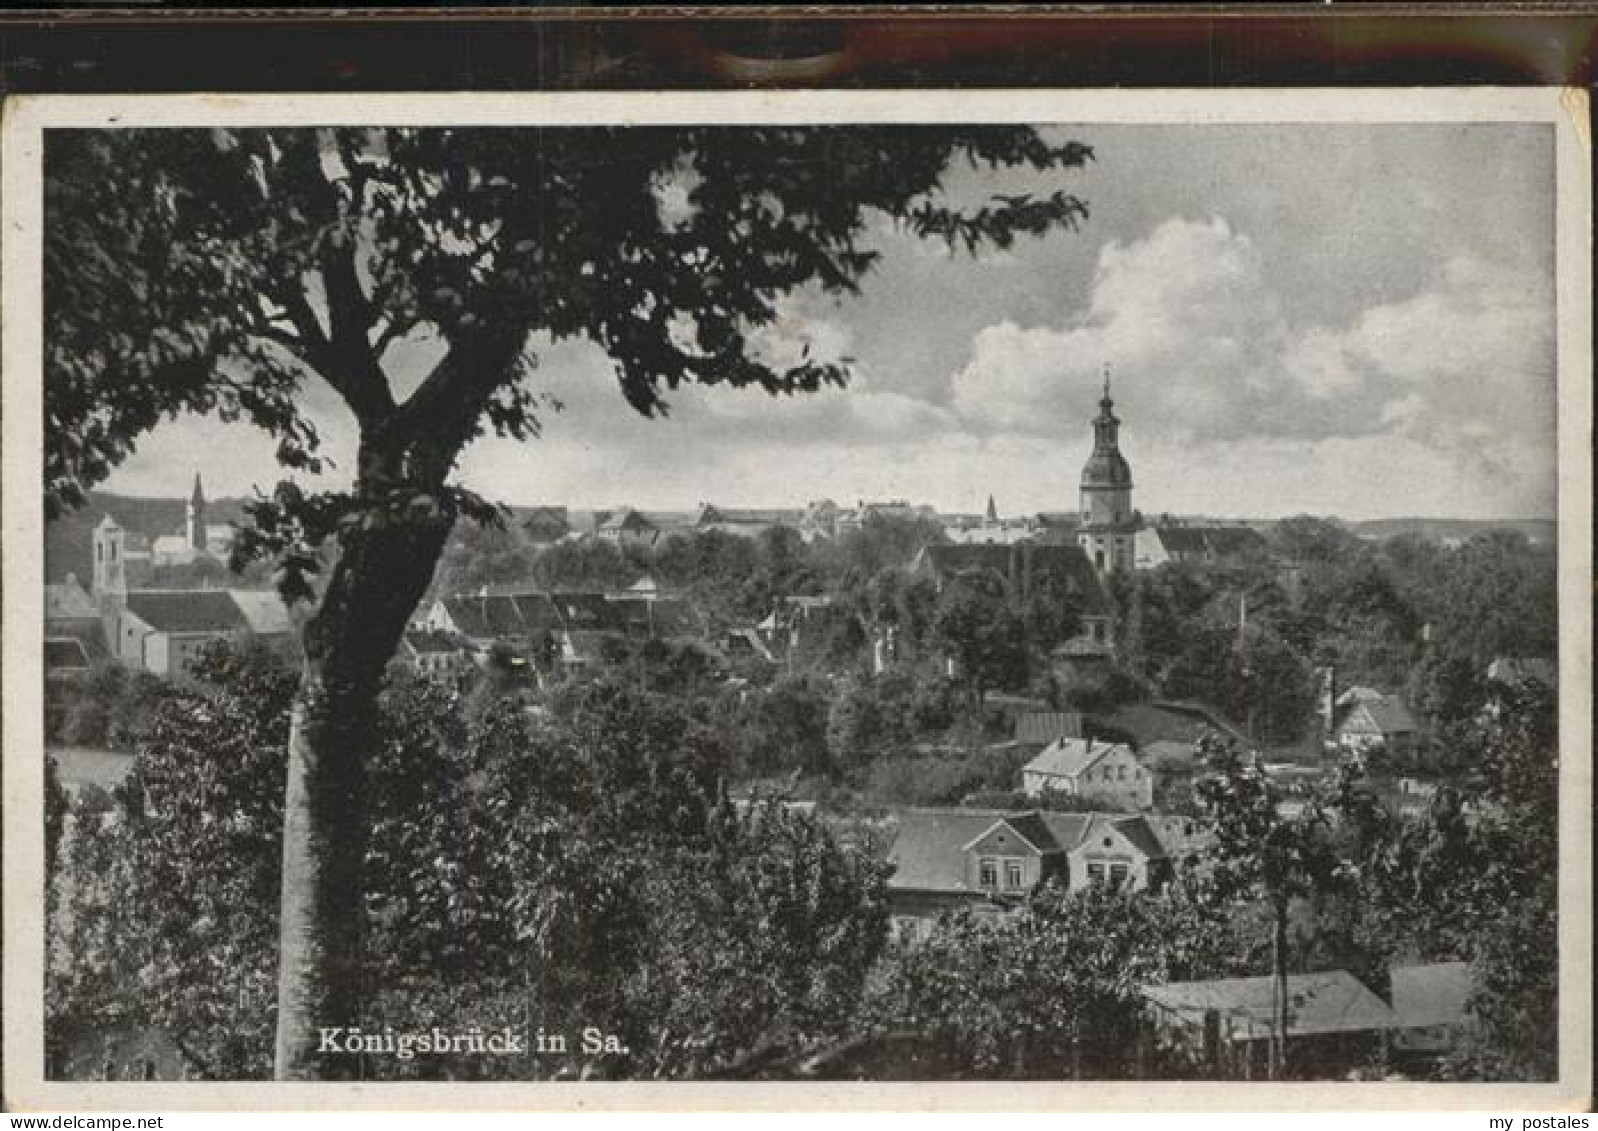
x,y
160,630
1366,723
1093,769
989,860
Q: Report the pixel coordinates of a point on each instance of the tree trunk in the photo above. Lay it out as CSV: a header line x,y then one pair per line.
x,y
1279,993
383,569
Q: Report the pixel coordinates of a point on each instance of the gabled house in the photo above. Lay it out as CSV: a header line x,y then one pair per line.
x,y
160,630
1092,769
580,631
488,617
436,654
1120,851
990,860
1366,724
627,527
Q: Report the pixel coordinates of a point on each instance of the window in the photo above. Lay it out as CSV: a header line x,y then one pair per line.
x,y
1118,874
113,551
988,873
1120,773
1095,871
1012,875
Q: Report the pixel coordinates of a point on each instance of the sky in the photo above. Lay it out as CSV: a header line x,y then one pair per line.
x,y
1348,320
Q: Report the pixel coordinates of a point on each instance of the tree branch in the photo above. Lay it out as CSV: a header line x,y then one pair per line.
x,y
446,408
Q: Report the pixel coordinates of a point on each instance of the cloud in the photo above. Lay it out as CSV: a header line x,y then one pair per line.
x,y
1191,323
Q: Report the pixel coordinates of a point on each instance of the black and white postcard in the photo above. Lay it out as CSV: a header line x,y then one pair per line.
x,y
806,599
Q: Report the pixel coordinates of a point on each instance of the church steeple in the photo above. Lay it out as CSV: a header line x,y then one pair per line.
x,y
1107,520
194,516
1106,426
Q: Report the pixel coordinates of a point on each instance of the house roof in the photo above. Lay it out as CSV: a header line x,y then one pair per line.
x,y
65,653
1332,1001
765,516
434,642
263,610
1135,830
187,611
929,848
1068,757
1386,715
1022,565
546,516
502,614
1220,541
1180,539
1140,834
1358,694
1534,669
588,612
1434,993
68,600
626,519
1046,726
1028,826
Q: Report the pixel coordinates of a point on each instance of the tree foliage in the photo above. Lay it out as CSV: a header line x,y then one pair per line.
x,y
582,870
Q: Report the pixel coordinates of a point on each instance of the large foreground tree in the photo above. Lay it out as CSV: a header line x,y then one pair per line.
x,y
218,271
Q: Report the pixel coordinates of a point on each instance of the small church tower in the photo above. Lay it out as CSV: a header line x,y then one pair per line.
x,y
110,573
194,517
1107,524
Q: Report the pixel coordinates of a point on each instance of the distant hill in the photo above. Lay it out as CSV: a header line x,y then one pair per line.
x,y
69,540
1539,531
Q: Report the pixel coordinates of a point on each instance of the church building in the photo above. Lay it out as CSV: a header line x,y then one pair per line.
x,y
197,539
1108,525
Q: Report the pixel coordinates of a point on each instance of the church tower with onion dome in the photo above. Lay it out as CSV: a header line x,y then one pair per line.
x,y
1107,522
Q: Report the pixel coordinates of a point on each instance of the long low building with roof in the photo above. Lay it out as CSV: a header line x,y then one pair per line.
x,y
991,859
1333,1020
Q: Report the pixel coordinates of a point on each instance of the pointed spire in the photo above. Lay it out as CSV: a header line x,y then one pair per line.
x,y
993,511
1105,400
197,496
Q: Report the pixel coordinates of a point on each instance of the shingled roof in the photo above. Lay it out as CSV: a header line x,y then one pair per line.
x,y
929,849
1068,757
187,611
1332,1001
497,615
